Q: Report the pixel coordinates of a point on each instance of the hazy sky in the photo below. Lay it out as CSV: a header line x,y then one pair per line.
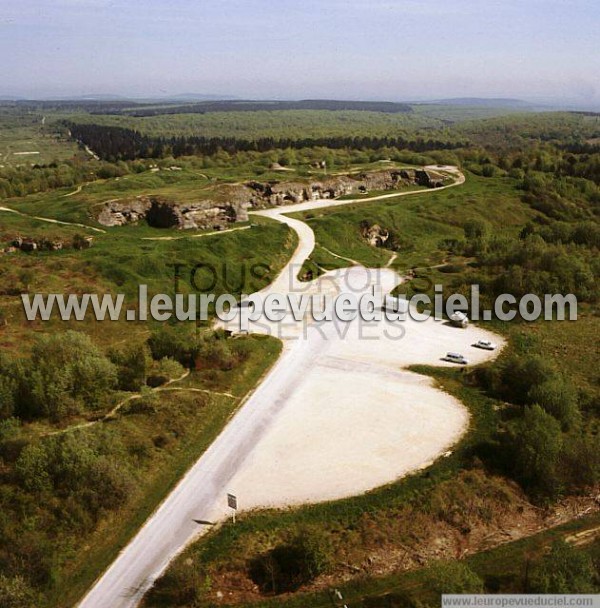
x,y
353,49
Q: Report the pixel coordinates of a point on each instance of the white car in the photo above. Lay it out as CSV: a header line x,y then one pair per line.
x,y
456,358
485,344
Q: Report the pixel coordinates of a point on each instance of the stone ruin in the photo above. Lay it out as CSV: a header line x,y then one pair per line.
x,y
229,203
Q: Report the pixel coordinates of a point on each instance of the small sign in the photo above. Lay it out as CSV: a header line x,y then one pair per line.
x,y
232,501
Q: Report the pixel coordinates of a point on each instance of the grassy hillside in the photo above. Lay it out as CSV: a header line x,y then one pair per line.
x,y
458,504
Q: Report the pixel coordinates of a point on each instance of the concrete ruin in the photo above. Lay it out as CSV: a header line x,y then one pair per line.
x,y
228,203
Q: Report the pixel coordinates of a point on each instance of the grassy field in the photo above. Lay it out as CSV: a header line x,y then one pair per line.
x,y
420,221
25,140
119,261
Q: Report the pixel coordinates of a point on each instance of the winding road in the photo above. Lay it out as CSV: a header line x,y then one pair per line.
x,y
338,414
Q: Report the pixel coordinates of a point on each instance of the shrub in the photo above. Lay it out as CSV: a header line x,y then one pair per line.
x,y
581,461
558,398
176,342
535,444
289,566
133,363
73,466
10,437
453,577
8,386
164,370
564,570
16,593
66,373
518,375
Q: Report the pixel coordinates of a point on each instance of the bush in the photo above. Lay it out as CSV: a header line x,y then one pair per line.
x,y
535,444
133,363
453,577
287,567
16,593
581,461
559,398
515,379
215,354
564,570
8,386
476,229
176,342
164,370
67,373
10,438
73,466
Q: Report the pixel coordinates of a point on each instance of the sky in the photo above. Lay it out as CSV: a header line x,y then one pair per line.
x,y
289,49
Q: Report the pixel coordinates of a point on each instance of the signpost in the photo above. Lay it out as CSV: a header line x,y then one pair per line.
x,y
232,504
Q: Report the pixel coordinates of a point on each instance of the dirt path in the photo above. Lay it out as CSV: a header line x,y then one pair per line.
x,y
339,257
115,410
159,389
194,236
76,191
52,221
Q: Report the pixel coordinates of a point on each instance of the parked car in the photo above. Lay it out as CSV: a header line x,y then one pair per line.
x,y
455,358
485,344
459,319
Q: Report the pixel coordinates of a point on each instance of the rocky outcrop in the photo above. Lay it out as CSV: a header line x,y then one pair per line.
x,y
47,244
272,193
374,234
229,202
428,179
162,213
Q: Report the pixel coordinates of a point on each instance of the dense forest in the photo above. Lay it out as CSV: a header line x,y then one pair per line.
x,y
255,106
118,143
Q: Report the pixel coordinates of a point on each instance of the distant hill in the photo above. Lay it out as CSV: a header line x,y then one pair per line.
x,y
199,97
497,102
256,106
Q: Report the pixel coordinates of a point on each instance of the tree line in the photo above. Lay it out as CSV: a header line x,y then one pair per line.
x,y
120,143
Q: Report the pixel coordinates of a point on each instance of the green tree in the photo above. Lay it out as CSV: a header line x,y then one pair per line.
x,y
66,373
133,363
535,445
581,459
77,467
559,398
519,374
176,342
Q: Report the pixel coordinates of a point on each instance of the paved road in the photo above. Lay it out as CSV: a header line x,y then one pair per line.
x,y
201,494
